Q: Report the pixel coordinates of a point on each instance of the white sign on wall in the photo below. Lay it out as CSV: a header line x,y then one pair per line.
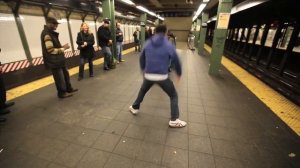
x,y
223,20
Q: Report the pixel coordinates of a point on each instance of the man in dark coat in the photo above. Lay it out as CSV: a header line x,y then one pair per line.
x,y
105,41
136,37
54,59
3,104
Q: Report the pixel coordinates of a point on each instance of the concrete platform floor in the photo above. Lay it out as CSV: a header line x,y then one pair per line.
x,y
228,127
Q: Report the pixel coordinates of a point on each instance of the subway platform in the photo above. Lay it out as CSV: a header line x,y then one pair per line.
x,y
228,126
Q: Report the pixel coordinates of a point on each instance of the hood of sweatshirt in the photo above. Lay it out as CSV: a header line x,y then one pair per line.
x,y
158,39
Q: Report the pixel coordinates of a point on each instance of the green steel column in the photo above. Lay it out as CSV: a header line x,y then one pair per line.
x,y
156,22
143,20
96,29
106,9
23,37
70,31
113,29
220,35
197,32
203,30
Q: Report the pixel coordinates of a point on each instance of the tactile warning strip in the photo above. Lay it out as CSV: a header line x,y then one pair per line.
x,y
29,87
286,110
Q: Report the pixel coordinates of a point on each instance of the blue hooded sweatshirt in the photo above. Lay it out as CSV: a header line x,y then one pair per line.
x,y
157,55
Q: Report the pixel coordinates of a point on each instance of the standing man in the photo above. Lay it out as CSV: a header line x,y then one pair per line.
x,y
105,41
54,58
154,62
119,39
137,36
3,104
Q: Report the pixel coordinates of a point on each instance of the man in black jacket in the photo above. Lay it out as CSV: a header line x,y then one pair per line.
x,y
3,104
54,58
105,41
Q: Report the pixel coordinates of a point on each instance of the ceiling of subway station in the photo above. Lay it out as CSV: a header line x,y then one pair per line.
x,y
164,8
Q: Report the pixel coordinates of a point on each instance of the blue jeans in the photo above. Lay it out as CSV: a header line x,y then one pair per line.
x,y
168,87
137,46
62,80
107,56
119,51
81,66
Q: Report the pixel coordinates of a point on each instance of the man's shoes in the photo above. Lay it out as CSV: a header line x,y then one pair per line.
x,y
91,75
65,95
73,90
6,105
80,78
133,111
122,60
177,123
4,111
2,119
105,69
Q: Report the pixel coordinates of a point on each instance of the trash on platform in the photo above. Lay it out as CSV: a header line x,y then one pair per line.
x,y
124,141
292,155
175,152
1,150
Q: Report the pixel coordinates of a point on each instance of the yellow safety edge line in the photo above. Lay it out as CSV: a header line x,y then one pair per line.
x,y
286,110
37,84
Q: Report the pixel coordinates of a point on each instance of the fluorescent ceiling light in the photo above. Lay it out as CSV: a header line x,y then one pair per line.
x,y
152,13
149,12
246,5
200,9
161,18
212,19
142,9
128,2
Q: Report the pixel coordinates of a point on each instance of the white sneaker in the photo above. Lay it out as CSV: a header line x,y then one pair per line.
x,y
177,123
133,111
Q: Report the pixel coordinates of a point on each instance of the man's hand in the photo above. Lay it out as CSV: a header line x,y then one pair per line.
x,y
66,46
109,42
85,43
178,80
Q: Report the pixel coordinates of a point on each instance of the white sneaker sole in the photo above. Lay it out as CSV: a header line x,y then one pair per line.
x,y
133,111
177,126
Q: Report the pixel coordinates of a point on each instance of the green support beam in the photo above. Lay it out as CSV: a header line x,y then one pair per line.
x,y
68,13
113,29
156,22
143,20
223,16
15,8
203,30
96,29
197,32
106,9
